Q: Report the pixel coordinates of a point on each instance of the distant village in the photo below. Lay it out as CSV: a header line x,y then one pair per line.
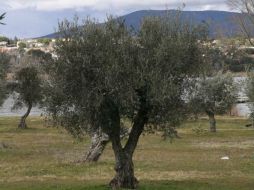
x,y
13,46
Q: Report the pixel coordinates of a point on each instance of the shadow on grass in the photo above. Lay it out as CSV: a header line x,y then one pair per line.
x,y
144,185
7,129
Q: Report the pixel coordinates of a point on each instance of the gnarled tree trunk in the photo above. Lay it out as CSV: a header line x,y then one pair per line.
x,y
110,124
22,123
99,141
212,121
124,167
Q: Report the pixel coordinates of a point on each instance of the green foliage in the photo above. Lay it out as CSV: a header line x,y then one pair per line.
x,y
22,45
239,60
4,63
95,61
214,95
4,39
36,53
8,40
214,60
28,87
228,55
105,74
39,58
4,60
202,30
45,41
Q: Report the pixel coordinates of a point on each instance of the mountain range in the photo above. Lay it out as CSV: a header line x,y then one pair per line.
x,y
221,23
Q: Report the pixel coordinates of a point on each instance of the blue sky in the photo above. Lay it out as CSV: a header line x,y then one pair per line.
x,y
32,18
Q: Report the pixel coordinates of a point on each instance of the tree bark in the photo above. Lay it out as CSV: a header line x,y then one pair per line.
x,y
99,141
124,177
124,168
22,123
110,122
98,144
212,122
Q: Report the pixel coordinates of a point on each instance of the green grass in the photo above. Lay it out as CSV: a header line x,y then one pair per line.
x,y
42,158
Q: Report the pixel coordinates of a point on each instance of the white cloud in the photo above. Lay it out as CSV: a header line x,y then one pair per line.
x,y
113,5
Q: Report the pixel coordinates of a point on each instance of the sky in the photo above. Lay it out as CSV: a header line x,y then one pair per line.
x,y
33,18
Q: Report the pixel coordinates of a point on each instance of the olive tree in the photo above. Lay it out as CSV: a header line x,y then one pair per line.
x,y
27,85
214,95
4,59
106,73
4,64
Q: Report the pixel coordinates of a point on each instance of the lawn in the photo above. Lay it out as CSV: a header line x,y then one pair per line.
x,y
42,158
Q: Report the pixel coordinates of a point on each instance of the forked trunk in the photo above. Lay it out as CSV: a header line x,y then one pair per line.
x,y
124,177
212,122
22,123
124,168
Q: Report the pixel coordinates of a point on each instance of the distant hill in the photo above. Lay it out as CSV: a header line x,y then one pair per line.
x,y
221,23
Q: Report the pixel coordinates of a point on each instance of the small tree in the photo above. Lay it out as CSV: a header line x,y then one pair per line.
x,y
27,85
106,73
4,64
215,95
4,59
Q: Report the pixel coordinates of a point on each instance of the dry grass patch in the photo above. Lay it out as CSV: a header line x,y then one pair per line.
x,y
47,156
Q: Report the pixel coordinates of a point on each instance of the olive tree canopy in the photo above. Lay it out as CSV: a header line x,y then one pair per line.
x,y
104,73
214,95
4,60
27,85
4,63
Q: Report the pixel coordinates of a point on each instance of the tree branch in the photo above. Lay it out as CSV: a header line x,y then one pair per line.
x,y
139,122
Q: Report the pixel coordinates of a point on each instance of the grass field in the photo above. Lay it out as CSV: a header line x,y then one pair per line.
x,y
41,158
